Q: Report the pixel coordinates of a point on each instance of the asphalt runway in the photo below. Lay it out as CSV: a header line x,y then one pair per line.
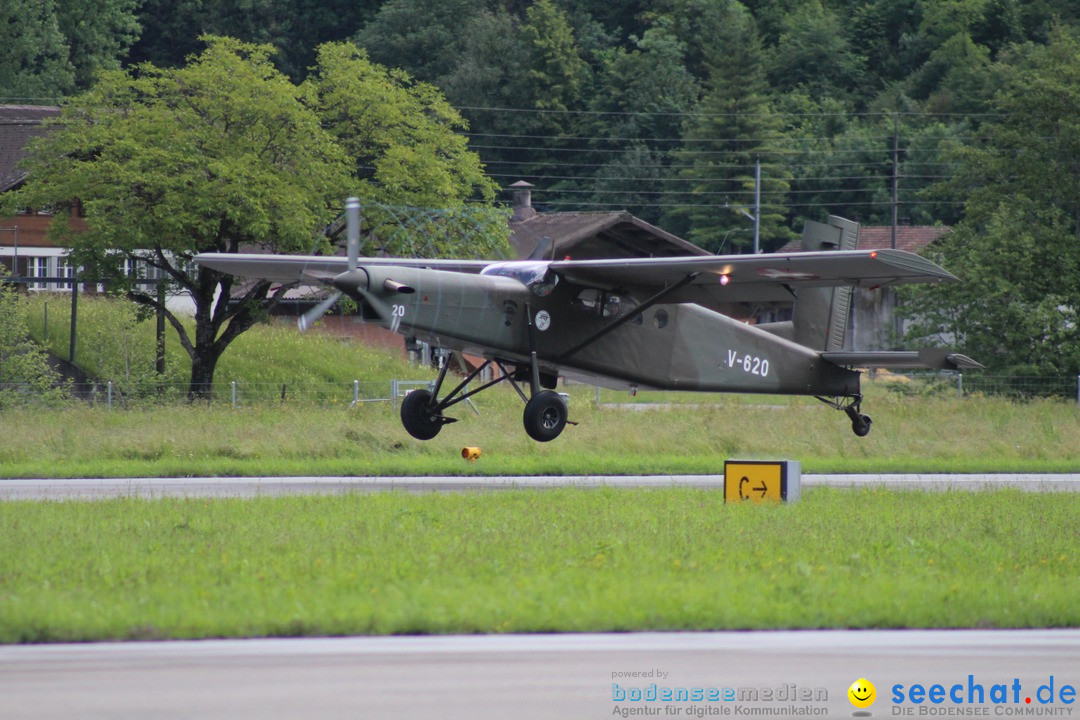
x,y
97,488
547,676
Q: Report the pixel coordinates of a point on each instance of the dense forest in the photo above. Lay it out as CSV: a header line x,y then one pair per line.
x,y
850,106
957,112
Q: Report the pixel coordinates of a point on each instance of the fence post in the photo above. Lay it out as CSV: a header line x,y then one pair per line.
x,y
393,393
110,394
1078,389
960,385
356,392
234,393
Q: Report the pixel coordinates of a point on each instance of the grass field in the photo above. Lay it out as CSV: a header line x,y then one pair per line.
x,y
518,561
112,344
552,561
911,434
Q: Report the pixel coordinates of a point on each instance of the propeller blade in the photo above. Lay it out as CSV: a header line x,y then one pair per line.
x,y
352,230
312,316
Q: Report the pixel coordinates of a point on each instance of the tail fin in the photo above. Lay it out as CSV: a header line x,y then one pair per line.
x,y
821,314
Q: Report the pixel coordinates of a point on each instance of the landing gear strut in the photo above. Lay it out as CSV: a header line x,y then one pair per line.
x,y
852,406
545,417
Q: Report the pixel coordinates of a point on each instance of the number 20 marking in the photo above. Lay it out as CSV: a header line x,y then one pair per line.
x,y
397,312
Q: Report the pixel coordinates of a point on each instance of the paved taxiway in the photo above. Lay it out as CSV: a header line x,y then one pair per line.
x,y
83,488
523,677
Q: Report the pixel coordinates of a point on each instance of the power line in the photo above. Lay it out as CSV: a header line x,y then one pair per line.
x,y
676,113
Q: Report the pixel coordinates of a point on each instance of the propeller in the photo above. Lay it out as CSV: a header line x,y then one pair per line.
x,y
352,234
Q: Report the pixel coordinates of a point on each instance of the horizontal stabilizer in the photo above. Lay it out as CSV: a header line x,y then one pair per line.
x,y
930,358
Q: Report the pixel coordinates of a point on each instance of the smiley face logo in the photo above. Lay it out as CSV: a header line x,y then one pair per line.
x,y
862,693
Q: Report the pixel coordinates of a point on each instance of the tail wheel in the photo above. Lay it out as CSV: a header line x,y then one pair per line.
x,y
417,415
545,416
860,425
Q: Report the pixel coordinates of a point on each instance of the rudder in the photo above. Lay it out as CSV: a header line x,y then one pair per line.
x,y
820,317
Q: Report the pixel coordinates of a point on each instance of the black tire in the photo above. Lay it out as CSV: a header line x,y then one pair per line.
x,y
861,426
545,416
417,416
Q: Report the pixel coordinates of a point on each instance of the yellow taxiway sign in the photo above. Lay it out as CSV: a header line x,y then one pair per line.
x,y
761,480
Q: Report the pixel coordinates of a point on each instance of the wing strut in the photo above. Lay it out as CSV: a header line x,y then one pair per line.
x,y
628,316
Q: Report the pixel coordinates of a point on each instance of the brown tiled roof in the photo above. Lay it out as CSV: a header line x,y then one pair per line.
x,y
19,123
591,235
912,238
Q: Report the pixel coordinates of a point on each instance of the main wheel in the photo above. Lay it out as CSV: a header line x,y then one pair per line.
x,y
545,416
860,425
417,415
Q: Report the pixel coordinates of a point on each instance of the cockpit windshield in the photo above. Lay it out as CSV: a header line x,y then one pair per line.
x,y
536,276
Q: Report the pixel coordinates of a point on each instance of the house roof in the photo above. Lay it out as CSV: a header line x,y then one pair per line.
x,y
592,235
912,238
18,124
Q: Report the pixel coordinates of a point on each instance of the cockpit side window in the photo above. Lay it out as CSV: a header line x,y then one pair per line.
x,y
603,304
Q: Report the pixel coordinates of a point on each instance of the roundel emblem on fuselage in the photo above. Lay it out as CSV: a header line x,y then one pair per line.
x,y
542,320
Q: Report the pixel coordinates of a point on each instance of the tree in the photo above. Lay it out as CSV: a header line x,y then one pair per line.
x,y
418,35
407,148
1017,248
640,99
98,32
171,28
34,64
735,126
402,135
557,72
812,53
223,154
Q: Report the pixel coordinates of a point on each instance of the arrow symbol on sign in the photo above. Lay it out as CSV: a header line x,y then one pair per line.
x,y
761,489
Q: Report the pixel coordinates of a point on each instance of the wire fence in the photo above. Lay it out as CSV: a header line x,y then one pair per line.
x,y
237,394
246,394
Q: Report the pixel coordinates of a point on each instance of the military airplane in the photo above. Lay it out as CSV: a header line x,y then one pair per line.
x,y
648,323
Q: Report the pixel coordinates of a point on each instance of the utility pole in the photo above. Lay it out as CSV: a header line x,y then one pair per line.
x,y
757,204
898,327
895,174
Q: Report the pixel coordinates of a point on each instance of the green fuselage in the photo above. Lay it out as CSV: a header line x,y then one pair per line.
x,y
666,346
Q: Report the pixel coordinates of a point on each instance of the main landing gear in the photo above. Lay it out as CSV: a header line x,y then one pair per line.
x,y
852,406
545,416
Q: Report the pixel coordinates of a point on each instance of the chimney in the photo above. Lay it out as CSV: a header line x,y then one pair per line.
x,y
523,209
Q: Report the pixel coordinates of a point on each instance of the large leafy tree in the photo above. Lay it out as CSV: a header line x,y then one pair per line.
x,y
1017,249
222,154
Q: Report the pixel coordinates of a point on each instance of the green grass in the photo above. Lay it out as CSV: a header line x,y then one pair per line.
x,y
936,434
516,561
113,344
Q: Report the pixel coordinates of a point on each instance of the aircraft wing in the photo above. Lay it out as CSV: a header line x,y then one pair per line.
x,y
754,278
316,268
720,278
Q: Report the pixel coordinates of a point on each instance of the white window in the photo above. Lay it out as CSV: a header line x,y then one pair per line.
x,y
64,269
38,267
